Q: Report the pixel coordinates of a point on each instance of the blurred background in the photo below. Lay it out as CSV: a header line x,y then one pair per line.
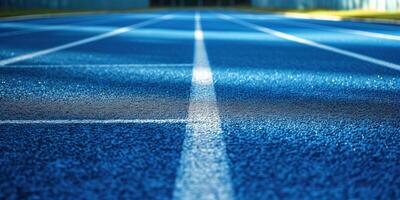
x,y
382,5
201,2
371,9
330,4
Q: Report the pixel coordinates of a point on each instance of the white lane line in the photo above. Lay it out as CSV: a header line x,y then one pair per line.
x,y
372,34
204,170
69,26
346,30
312,43
35,28
83,41
99,65
94,121
20,32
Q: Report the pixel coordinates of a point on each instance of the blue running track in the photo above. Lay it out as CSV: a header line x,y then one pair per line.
x,y
198,105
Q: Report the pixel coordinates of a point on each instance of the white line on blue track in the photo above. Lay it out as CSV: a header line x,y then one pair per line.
x,y
83,41
204,170
20,32
100,65
94,121
311,43
35,28
346,30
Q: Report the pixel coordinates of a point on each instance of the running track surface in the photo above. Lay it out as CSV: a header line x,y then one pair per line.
x,y
198,105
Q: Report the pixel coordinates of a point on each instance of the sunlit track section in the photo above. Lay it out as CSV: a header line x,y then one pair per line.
x,y
93,121
311,43
84,41
204,170
101,65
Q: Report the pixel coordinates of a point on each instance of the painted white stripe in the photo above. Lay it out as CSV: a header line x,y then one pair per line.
x,y
88,25
312,43
98,65
34,28
372,34
20,32
337,18
204,170
94,121
83,41
351,31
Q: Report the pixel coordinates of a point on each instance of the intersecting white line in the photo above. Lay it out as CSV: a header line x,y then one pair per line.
x,y
348,31
204,170
94,121
35,28
98,65
83,41
312,43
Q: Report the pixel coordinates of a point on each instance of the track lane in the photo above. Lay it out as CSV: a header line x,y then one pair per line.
x,y
361,44
20,45
97,132
300,122
297,122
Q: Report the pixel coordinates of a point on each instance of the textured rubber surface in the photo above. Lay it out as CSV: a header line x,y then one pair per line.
x,y
298,122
